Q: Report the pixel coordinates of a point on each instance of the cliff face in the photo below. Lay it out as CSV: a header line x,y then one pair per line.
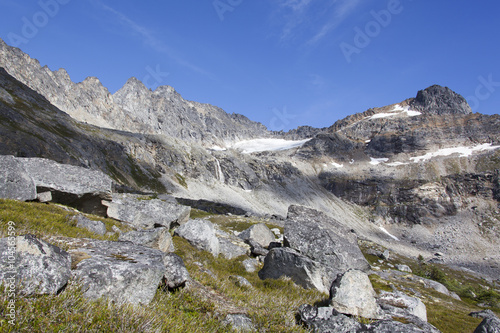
x,y
133,108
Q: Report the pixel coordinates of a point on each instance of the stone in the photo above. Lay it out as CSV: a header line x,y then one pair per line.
x,y
290,263
122,272
490,323
176,274
322,239
44,196
404,268
240,322
232,249
97,227
240,281
201,234
15,182
386,255
158,238
327,319
352,294
256,249
410,305
250,265
146,213
83,189
259,233
40,267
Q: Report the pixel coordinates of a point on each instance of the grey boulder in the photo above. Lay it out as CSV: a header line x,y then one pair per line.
x,y
201,234
352,294
15,182
259,233
122,272
231,246
490,323
290,263
239,322
176,274
74,186
39,267
250,265
327,243
146,213
97,227
399,304
158,238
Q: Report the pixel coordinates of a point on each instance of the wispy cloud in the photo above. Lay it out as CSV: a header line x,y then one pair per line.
x,y
341,12
149,38
313,20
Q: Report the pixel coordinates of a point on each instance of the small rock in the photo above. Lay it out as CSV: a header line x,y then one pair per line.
x,y
240,322
97,227
240,281
250,265
201,234
352,293
258,233
256,248
176,274
404,268
386,255
44,196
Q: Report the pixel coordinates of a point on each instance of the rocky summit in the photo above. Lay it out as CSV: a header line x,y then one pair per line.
x,y
386,221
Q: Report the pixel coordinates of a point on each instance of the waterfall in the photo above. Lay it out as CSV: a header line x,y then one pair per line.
x,y
218,171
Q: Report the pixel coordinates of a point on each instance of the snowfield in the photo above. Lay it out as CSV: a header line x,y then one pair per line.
x,y
260,145
397,110
463,151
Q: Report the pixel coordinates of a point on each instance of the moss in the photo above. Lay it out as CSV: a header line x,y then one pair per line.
x,y
379,284
198,214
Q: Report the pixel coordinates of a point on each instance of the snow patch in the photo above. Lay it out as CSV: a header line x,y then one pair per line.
x,y
260,145
377,161
217,148
388,233
463,151
393,164
338,166
397,110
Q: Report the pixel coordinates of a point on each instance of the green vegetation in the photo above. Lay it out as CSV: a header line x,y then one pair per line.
x,y
198,214
181,180
45,220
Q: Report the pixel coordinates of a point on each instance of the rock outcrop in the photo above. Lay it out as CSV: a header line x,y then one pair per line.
x,y
490,323
15,182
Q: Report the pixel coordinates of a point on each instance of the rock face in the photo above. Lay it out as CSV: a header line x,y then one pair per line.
x,y
440,100
146,213
259,233
119,271
158,238
15,182
39,267
352,293
201,234
321,244
176,274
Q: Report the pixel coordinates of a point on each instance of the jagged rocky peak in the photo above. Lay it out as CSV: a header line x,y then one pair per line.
x,y
440,100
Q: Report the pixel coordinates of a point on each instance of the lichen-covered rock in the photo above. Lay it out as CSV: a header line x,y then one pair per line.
x,y
290,263
259,233
122,272
38,268
201,234
239,322
176,274
408,305
352,293
146,213
157,238
490,323
15,182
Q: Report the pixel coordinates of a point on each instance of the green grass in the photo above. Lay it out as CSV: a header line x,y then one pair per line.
x,y
44,220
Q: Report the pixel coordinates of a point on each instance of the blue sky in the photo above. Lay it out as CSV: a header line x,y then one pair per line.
x,y
283,63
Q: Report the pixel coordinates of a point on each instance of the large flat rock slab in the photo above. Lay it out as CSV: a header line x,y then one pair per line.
x,y
146,213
